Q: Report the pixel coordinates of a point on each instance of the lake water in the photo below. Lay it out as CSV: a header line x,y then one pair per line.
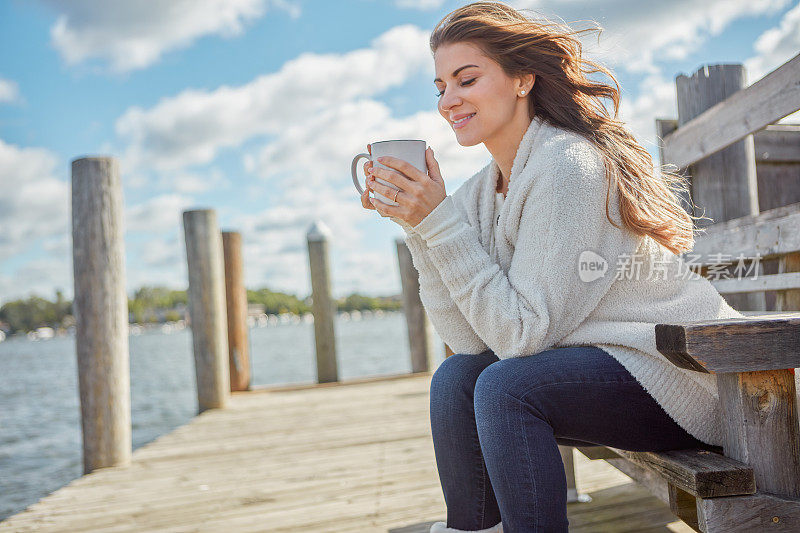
x,y
40,433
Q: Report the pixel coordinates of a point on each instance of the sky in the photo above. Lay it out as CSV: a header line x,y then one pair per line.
x,y
255,108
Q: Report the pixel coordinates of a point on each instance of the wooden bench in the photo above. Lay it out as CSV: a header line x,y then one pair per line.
x,y
752,483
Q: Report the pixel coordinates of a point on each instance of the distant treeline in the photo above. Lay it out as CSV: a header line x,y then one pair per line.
x,y
160,304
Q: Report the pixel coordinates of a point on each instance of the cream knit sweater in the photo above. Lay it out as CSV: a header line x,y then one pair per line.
x,y
526,279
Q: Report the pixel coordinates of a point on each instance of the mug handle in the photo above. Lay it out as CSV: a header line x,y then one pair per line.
x,y
354,171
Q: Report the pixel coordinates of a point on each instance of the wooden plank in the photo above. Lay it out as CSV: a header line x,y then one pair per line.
x,y
777,150
361,460
769,235
778,184
745,514
778,143
699,472
770,282
768,100
732,345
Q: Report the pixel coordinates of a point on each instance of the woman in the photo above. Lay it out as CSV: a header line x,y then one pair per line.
x,y
546,273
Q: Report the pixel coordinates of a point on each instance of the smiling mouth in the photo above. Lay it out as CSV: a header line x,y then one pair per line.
x,y
460,123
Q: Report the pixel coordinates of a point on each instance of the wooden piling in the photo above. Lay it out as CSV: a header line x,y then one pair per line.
x,y
420,329
724,184
236,299
323,304
101,312
207,307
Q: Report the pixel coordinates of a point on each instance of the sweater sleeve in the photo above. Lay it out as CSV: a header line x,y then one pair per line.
x,y
542,298
445,316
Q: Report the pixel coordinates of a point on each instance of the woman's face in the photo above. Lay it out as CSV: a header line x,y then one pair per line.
x,y
472,85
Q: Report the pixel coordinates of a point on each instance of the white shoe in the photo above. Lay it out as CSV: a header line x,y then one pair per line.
x,y
441,527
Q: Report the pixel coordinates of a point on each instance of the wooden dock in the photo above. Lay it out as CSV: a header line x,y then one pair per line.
x,y
354,456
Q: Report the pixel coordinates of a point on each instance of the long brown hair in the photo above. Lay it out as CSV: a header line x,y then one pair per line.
x,y
564,96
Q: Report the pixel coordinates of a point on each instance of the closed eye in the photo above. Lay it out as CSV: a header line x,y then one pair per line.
x,y
464,84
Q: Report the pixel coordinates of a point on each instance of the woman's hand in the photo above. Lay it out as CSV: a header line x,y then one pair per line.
x,y
365,199
419,193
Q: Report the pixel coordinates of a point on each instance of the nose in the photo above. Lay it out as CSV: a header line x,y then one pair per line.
x,y
447,101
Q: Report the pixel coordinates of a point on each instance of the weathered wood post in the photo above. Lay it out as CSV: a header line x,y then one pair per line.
x,y
101,312
723,184
207,307
420,329
759,413
236,299
323,304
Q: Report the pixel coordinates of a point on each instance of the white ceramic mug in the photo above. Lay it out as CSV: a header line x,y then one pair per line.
x,y
410,150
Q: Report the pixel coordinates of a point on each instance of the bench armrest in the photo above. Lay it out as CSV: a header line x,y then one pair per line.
x,y
767,342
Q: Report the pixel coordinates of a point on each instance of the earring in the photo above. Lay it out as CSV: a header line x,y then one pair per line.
x,y
522,93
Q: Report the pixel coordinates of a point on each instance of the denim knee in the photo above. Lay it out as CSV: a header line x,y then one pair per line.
x,y
501,385
491,386
495,378
457,374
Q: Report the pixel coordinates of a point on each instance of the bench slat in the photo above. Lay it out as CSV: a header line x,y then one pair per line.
x,y
770,342
701,473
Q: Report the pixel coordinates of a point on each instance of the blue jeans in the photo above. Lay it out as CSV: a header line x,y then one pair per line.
x,y
497,425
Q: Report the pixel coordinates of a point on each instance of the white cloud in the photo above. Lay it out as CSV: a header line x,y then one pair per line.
x,y
34,213
157,215
638,34
34,203
316,113
182,181
192,127
419,4
134,35
9,91
775,46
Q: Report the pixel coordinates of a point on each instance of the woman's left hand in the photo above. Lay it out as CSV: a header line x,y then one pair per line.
x,y
419,193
